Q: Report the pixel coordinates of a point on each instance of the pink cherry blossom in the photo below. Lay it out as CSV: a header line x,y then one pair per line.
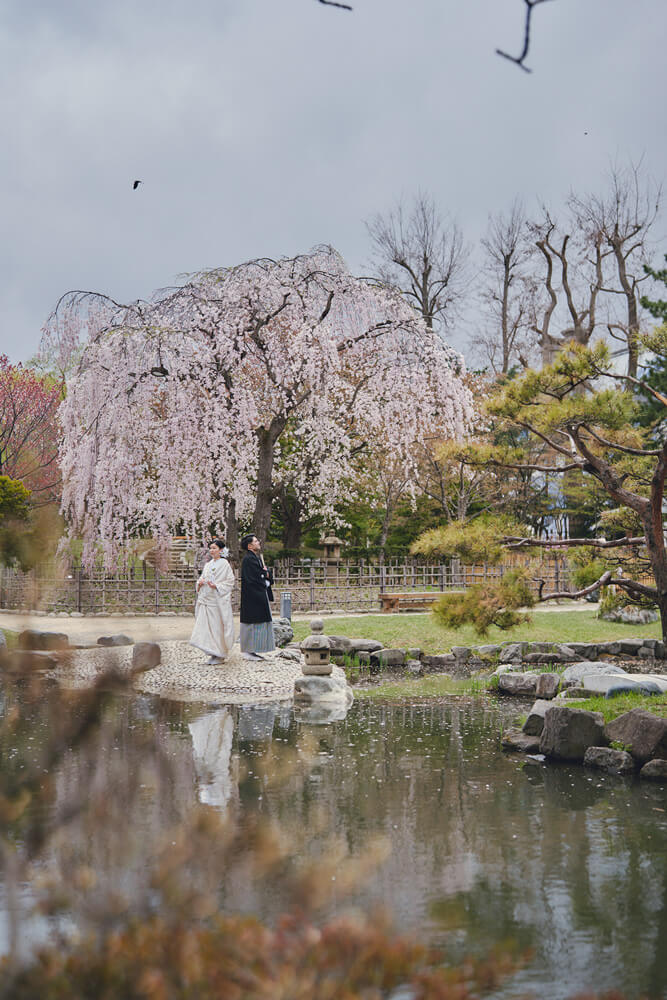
x,y
210,392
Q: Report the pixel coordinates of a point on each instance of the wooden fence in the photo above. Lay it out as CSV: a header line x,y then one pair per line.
x,y
313,586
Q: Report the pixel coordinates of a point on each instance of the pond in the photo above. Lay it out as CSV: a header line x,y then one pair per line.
x,y
485,848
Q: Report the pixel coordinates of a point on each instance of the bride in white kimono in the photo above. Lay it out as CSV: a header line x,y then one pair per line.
x,y
214,625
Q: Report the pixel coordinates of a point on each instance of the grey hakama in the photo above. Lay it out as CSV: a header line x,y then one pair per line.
x,y
214,623
257,638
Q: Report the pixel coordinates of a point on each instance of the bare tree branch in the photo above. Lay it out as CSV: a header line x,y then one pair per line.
x,y
520,60
602,582
514,542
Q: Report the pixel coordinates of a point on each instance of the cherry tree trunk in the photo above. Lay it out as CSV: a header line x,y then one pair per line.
x,y
293,525
232,532
266,439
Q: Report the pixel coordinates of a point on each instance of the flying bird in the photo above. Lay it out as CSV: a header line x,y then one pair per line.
x,y
136,185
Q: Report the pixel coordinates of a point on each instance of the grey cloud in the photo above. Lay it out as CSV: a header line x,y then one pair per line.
x,y
267,126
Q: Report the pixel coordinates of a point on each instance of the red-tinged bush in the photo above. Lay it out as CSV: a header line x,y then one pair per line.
x,y
238,958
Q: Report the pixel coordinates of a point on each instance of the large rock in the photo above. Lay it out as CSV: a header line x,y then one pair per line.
x,y
534,724
519,685
644,734
384,659
584,650
547,685
487,651
611,685
440,663
656,770
568,732
630,647
549,652
631,616
290,654
512,652
119,639
146,656
339,645
606,759
282,631
364,645
575,673
647,688
333,689
515,739
31,638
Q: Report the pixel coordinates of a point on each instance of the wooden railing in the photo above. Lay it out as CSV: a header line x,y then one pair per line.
x,y
344,586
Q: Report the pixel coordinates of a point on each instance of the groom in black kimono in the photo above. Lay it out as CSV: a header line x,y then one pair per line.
x,y
256,624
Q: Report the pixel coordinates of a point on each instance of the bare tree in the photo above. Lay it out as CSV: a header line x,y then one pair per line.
x,y
422,253
564,306
621,220
506,290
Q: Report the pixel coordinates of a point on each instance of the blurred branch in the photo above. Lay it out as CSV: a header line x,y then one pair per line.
x,y
519,60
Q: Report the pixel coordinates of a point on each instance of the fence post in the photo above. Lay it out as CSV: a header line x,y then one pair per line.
x,y
78,589
157,591
441,576
383,578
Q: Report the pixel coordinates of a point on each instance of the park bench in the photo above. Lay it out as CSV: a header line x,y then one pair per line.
x,y
408,602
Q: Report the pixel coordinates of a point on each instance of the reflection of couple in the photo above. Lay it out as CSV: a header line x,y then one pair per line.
x,y
214,625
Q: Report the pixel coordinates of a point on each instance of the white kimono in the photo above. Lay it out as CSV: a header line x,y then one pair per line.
x,y
214,623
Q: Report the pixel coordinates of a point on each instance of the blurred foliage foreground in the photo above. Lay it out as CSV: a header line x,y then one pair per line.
x,y
102,838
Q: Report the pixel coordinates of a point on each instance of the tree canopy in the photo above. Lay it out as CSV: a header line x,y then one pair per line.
x,y
179,407
584,412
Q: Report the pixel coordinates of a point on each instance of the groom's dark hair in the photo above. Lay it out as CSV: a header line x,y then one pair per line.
x,y
245,541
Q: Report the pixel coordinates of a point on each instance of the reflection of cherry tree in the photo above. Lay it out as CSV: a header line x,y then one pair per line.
x,y
177,410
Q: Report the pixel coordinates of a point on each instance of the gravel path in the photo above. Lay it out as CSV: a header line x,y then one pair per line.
x,y
184,674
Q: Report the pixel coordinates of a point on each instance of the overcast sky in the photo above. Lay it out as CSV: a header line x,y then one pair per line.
x,y
264,127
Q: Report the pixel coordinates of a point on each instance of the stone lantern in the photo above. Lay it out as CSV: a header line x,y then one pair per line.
x,y
331,555
316,651
332,548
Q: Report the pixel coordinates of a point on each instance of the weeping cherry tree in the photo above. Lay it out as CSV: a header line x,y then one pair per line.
x,y
177,407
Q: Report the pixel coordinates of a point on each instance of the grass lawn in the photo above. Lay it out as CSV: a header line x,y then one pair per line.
x,y
421,631
612,707
443,686
431,686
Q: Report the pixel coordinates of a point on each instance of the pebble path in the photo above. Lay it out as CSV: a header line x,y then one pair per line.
x,y
184,675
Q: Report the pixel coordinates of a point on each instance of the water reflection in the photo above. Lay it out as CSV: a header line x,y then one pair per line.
x,y
485,847
489,848
212,735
